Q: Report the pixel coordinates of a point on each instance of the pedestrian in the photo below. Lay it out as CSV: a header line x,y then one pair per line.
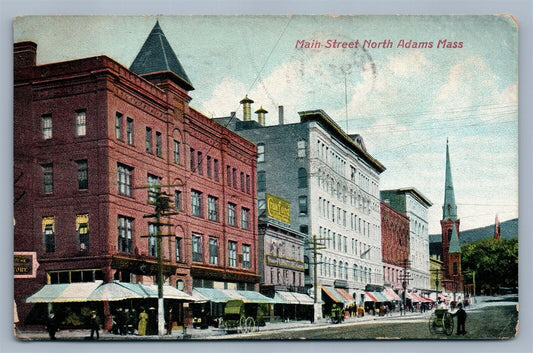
x,y
143,321
95,326
461,319
51,326
169,322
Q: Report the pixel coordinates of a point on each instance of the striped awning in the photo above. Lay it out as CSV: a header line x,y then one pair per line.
x,y
375,297
223,295
391,295
333,294
345,295
64,292
285,298
304,299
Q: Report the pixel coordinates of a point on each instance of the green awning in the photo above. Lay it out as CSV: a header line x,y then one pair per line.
x,y
212,294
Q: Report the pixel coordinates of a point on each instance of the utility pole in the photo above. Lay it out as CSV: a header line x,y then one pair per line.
x,y
316,245
405,277
161,202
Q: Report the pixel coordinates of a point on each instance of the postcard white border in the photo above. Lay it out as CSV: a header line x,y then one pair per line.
x,y
521,9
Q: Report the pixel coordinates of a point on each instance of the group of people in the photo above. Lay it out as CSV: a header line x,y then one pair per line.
x,y
126,321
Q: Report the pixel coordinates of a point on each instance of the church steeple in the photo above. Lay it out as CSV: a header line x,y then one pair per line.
x,y
157,57
449,209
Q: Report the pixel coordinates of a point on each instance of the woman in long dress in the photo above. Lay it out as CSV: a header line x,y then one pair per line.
x,y
143,320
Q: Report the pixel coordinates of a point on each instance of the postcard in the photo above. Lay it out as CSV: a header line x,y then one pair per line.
x,y
246,177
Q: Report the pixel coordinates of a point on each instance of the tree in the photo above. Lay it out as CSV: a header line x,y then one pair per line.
x,y
495,262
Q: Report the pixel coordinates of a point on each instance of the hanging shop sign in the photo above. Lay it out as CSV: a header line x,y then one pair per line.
x,y
25,264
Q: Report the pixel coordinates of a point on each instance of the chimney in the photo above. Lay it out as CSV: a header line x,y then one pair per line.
x,y
280,115
246,108
24,54
261,115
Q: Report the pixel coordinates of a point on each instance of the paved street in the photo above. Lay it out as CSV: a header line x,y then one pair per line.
x,y
488,318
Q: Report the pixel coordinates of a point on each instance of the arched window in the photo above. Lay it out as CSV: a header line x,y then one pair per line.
x,y
346,270
334,268
340,269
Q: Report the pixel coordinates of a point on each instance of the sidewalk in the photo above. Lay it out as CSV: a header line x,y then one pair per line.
x,y
210,333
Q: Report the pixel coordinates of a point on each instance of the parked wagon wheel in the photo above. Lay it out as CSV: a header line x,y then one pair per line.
x,y
447,324
242,324
250,324
432,324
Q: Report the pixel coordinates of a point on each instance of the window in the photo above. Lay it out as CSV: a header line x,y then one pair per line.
x,y
197,248
213,251
246,263
46,127
124,174
153,190
261,152
49,234
81,123
176,152
148,140
152,240
118,126
82,230
245,218
83,181
199,162
129,131
192,162
234,177
125,234
209,167
346,270
302,178
231,214
216,170
302,204
177,200
178,249
158,144
212,208
48,178
232,254
301,148
243,185
261,181
196,203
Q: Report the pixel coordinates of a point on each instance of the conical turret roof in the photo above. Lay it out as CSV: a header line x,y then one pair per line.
x,y
156,55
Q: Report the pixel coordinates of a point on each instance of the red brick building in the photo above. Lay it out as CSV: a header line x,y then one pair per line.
x,y
394,245
90,132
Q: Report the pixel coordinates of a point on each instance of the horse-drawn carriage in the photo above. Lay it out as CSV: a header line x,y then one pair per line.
x,y
242,317
441,321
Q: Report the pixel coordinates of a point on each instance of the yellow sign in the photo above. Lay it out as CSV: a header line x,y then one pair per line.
x,y
278,208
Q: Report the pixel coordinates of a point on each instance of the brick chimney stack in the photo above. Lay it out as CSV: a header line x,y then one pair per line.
x,y
24,54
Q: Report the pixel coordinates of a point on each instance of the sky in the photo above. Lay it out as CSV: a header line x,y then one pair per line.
x,y
405,102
